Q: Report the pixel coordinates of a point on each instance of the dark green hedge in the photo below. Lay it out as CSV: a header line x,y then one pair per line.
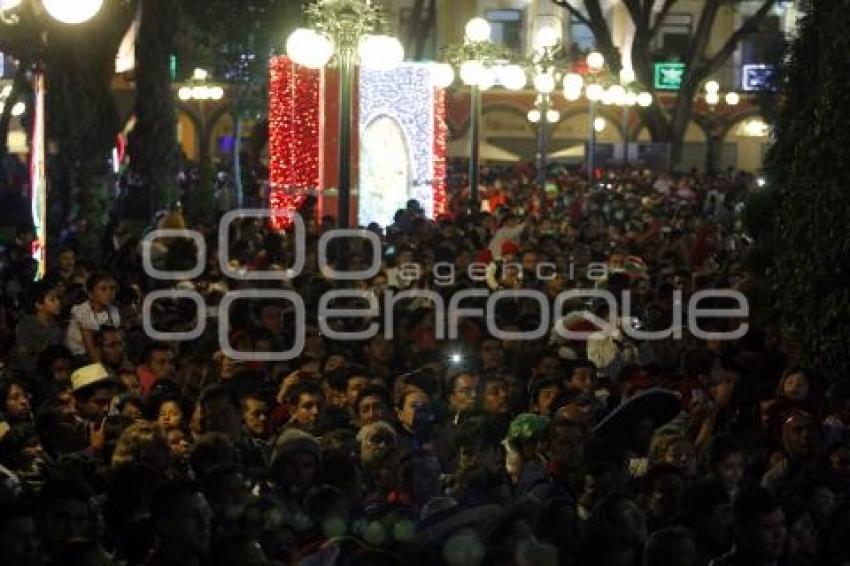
x,y
808,170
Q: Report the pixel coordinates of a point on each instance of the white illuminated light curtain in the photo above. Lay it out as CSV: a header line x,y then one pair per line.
x,y
38,178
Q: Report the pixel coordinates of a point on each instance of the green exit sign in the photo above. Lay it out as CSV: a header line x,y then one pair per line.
x,y
668,76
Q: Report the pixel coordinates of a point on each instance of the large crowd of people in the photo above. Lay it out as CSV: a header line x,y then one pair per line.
x,y
471,432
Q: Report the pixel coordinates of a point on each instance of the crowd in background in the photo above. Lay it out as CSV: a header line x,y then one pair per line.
x,y
483,449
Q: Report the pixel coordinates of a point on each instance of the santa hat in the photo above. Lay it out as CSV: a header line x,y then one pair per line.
x,y
484,256
510,248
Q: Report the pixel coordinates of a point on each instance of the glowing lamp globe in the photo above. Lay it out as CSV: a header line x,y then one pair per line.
x,y
712,87
618,94
442,75
546,38
488,79
599,124
595,61
72,11
309,49
200,93
607,97
732,98
552,116
216,93
627,75
644,99
380,52
513,77
472,72
712,98
478,30
534,116
544,82
572,94
630,99
594,92
185,93
573,82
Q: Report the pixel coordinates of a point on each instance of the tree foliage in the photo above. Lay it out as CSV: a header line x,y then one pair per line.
x,y
808,173
666,126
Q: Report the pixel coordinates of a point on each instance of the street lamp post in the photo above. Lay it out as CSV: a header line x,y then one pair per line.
x,y
481,63
64,12
353,31
712,99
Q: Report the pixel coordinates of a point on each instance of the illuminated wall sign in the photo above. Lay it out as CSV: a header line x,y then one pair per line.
x,y
758,77
668,76
402,143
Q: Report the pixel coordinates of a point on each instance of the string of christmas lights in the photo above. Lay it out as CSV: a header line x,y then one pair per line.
x,y
294,136
441,131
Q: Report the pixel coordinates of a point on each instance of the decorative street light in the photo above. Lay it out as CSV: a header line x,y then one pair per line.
x,y
345,32
620,91
198,89
545,61
66,12
712,99
481,64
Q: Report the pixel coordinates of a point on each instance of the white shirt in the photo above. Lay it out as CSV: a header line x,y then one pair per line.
x,y
83,317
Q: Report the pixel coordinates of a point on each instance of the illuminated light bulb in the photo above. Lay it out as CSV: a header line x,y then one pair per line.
x,y
544,82
594,92
513,77
644,99
216,93
573,81
534,116
627,75
630,99
618,94
595,61
309,49
552,116
200,74
185,93
599,124
380,52
488,79
712,98
472,72
72,11
572,94
607,97
712,86
546,38
478,30
200,92
732,98
442,75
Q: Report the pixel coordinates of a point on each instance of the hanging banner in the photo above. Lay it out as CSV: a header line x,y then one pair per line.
x,y
38,178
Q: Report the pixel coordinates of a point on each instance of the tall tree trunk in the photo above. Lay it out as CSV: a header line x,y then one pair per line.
x,y
153,142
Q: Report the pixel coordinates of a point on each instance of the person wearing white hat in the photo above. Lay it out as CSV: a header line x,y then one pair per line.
x,y
93,389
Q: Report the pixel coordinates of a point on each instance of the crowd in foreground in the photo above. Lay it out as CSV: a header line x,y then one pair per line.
x,y
482,449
